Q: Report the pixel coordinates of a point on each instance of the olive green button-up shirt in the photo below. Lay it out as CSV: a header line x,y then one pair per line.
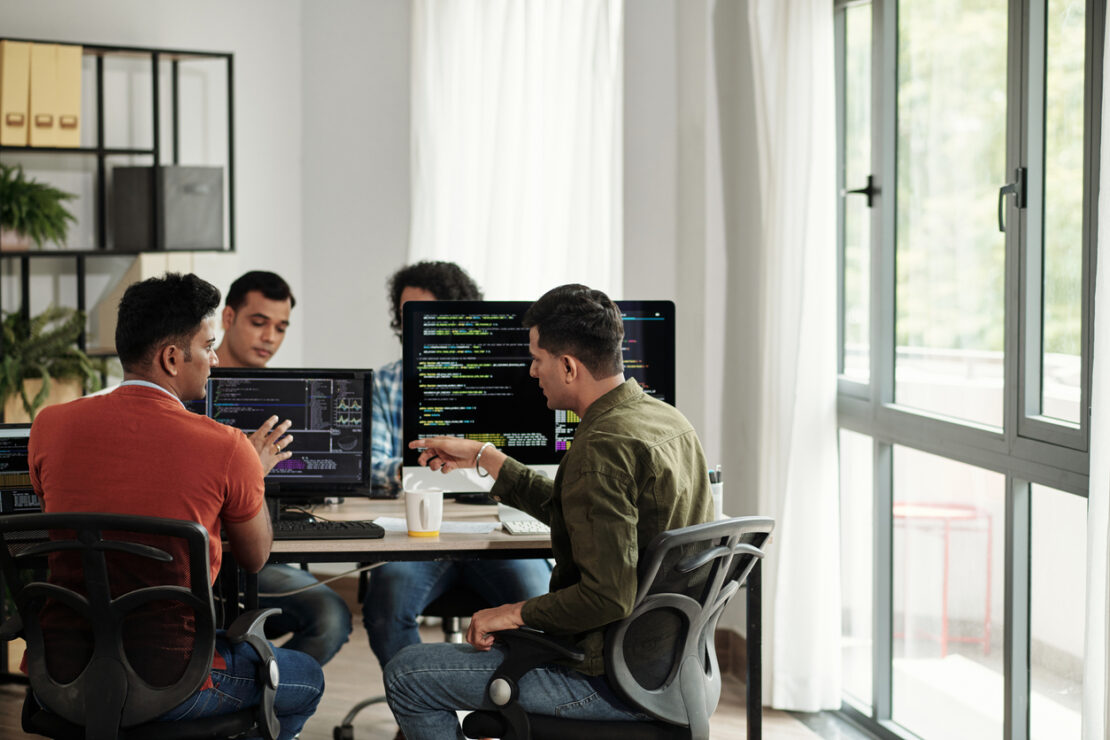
x,y
635,469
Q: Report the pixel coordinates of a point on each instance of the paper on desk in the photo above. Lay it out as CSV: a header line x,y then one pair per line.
x,y
397,524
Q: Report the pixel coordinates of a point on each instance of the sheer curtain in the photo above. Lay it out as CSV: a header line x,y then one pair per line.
x,y
1095,707
517,142
795,427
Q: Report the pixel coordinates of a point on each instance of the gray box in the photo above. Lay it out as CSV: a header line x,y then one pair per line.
x,y
192,202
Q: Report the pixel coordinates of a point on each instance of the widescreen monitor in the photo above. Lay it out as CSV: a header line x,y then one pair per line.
x,y
330,411
465,373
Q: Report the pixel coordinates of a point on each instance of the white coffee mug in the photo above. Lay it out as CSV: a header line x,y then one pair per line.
x,y
424,511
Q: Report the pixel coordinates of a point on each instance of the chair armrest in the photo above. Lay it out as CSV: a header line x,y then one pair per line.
x,y
11,628
524,650
249,627
530,648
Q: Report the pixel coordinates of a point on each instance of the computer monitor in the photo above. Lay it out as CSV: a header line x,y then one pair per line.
x,y
465,373
330,411
16,494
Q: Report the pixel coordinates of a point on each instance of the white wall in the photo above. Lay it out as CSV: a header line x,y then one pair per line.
x,y
692,203
265,37
356,177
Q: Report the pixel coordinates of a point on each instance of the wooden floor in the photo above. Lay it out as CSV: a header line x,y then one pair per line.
x,y
354,675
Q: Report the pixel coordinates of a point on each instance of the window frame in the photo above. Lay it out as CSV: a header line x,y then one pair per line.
x,y
1029,448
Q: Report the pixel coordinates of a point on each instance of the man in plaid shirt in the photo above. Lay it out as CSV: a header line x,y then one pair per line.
x,y
400,591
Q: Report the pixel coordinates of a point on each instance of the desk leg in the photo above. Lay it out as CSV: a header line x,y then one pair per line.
x,y
755,653
250,592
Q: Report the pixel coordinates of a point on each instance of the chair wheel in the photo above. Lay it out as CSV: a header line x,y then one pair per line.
x,y
343,732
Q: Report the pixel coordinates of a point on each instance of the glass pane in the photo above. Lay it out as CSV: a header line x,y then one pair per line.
x,y
1063,210
949,520
857,216
1058,588
951,162
856,563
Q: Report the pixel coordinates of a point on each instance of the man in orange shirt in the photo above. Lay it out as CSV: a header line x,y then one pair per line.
x,y
138,451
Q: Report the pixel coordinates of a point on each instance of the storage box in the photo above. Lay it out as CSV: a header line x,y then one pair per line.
x,y
192,204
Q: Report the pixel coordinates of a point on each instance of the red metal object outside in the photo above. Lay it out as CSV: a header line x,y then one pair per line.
x,y
929,515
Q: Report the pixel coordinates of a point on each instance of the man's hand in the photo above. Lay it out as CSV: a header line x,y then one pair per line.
x,y
269,443
446,453
488,621
452,453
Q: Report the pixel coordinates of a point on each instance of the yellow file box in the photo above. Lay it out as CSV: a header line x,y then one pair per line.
x,y
44,88
68,96
15,81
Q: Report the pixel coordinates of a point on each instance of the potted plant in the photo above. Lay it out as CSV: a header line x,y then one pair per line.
x,y
31,211
39,351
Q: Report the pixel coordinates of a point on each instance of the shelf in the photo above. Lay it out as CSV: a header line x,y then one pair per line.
x,y
75,150
46,253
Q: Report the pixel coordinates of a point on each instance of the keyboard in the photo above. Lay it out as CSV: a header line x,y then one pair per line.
x,y
320,529
525,526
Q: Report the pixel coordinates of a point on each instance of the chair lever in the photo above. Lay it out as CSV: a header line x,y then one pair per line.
x,y
11,628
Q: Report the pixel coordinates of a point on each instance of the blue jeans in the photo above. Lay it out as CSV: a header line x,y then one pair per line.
x,y
318,618
399,591
426,684
300,687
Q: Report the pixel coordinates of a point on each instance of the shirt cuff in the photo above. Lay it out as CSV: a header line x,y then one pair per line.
x,y
507,479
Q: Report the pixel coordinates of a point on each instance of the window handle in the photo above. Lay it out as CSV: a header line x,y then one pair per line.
x,y
869,190
1015,188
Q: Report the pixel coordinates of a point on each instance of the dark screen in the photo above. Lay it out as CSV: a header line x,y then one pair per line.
x,y
466,374
16,494
330,411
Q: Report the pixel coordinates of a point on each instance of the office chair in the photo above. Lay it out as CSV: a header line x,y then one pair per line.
x,y
114,580
451,607
660,659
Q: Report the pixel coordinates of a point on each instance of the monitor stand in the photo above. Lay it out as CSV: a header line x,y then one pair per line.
x,y
288,510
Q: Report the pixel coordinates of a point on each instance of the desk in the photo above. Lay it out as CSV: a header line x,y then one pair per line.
x,y
393,547
399,546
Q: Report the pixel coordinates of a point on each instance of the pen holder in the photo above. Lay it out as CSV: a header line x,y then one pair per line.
x,y
717,490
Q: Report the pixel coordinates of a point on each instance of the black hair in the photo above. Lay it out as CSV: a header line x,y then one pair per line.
x,y
445,280
269,284
160,311
581,322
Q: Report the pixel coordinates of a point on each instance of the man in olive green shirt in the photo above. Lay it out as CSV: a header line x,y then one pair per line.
x,y
636,469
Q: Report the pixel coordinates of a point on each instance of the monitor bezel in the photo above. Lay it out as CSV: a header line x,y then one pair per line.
x,y
299,489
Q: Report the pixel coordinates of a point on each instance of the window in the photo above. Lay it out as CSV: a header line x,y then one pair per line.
x,y
968,171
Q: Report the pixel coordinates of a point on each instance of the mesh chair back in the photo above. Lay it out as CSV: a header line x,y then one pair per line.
x,y
661,658
122,626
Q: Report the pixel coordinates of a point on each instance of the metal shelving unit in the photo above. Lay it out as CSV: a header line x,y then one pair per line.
x,y
101,153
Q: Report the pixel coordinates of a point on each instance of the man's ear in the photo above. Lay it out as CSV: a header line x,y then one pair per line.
x,y
228,316
571,368
169,359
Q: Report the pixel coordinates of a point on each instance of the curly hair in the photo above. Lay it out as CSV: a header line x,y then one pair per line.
x,y
160,311
445,280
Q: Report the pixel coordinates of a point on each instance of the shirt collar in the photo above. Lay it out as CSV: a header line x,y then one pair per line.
x,y
148,384
623,393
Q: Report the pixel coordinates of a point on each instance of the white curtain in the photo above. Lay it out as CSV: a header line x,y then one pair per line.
x,y
517,141
1095,707
795,443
